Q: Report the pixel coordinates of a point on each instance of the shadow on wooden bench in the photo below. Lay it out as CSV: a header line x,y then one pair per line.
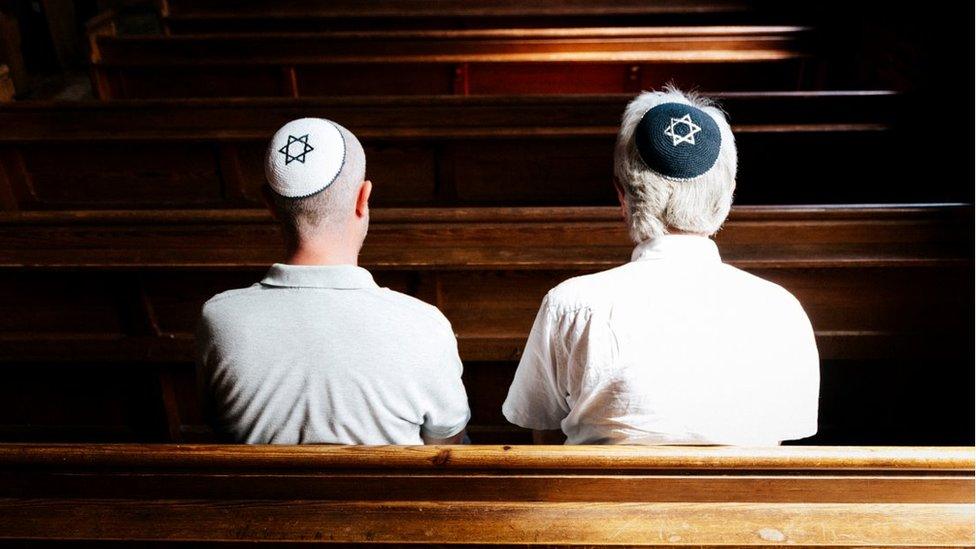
x,y
705,496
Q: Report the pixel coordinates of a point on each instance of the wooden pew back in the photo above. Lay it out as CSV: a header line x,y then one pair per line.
x,y
445,62
222,17
847,497
544,151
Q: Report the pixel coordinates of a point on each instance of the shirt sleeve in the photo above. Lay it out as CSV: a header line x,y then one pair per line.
x,y
205,356
448,411
535,399
805,381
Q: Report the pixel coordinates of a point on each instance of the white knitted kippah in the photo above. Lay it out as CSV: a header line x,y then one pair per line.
x,y
304,157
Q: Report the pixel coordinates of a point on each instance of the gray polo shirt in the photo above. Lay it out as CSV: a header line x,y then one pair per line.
x,y
321,354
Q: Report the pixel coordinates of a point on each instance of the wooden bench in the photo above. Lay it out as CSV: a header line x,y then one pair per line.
x,y
222,17
438,62
100,303
444,151
511,495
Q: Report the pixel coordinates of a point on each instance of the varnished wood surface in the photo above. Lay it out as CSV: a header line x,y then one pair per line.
x,y
560,524
509,238
6,85
222,17
409,9
688,44
463,62
444,151
822,460
473,116
650,496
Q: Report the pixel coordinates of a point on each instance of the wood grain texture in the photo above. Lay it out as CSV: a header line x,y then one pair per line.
x,y
702,524
425,62
706,496
821,459
6,85
547,238
688,44
211,17
441,151
474,9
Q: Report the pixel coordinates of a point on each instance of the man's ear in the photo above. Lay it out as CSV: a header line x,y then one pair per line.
x,y
267,196
362,201
621,198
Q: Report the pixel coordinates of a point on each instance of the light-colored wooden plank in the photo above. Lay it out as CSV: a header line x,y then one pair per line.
x,y
605,458
711,524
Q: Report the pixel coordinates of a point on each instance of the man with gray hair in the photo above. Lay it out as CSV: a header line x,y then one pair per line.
x,y
317,352
674,347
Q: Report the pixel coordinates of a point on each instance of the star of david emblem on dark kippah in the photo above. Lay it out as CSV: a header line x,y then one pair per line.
x,y
287,150
677,138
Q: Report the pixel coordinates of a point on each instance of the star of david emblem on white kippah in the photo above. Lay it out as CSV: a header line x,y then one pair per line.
x,y
287,151
677,139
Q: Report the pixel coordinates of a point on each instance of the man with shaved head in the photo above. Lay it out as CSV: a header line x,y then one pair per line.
x,y
317,352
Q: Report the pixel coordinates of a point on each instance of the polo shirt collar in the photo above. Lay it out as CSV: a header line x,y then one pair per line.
x,y
339,277
677,246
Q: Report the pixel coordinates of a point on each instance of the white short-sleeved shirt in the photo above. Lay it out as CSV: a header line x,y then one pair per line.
x,y
674,347
321,354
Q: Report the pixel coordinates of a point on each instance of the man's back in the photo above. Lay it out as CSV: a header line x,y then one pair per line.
x,y
673,347
321,354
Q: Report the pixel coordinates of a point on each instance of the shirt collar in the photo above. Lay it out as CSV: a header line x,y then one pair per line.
x,y
340,277
677,246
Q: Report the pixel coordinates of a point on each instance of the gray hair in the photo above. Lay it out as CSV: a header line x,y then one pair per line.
x,y
303,216
656,204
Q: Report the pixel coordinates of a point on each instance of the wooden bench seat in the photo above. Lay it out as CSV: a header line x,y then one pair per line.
x,y
552,496
438,62
101,299
445,151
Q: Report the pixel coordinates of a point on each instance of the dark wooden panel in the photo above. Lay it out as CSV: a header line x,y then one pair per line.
x,y
793,148
78,401
372,79
548,78
754,237
7,91
686,44
197,81
122,174
424,62
544,171
50,303
254,17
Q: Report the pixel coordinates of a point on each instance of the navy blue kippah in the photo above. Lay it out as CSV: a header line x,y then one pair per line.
x,y
678,140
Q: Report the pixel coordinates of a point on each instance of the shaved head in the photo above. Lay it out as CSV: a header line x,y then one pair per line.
x,y
306,216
